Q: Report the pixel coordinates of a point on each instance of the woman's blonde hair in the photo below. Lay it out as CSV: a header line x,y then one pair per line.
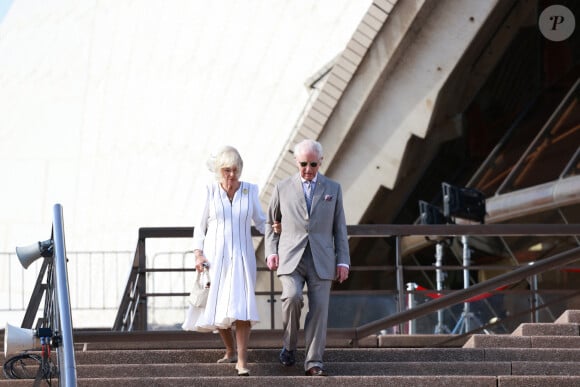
x,y
226,157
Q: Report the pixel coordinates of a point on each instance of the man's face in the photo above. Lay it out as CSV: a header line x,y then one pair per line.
x,y
308,164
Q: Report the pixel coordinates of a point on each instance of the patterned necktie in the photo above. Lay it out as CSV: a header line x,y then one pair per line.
x,y
309,189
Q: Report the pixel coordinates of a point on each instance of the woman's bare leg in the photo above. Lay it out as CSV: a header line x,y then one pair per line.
x,y
243,329
228,339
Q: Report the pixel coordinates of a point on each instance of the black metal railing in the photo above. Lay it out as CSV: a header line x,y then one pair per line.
x,y
133,310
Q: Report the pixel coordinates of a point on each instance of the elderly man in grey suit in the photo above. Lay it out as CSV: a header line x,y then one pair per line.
x,y
306,242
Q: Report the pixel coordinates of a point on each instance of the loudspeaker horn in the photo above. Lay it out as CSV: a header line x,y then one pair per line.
x,y
30,253
17,340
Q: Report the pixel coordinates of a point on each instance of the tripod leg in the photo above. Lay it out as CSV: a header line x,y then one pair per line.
x,y
459,325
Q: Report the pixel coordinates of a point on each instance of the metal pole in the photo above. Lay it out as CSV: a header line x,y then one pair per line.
x,y
400,283
440,277
466,263
68,373
535,297
411,325
141,309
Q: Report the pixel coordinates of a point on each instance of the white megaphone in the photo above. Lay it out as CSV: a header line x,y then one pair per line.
x,y
17,340
30,253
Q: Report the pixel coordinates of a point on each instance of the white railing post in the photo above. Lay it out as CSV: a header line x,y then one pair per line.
x,y
411,303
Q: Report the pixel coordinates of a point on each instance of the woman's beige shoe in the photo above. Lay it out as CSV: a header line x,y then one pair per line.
x,y
243,371
226,359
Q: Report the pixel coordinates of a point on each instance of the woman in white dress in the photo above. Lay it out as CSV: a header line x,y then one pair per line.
x,y
222,239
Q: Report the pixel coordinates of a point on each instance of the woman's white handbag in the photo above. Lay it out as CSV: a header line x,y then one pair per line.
x,y
200,290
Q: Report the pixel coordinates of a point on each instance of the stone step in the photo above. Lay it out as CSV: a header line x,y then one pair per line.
x,y
334,369
332,381
503,341
285,381
171,339
566,368
334,355
532,354
538,381
339,362
271,355
569,316
547,329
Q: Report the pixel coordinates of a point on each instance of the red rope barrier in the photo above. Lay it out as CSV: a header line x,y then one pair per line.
x,y
472,299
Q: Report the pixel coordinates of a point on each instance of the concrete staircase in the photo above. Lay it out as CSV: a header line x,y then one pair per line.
x,y
533,355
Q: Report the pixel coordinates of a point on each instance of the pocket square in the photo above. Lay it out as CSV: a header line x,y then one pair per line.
x,y
327,198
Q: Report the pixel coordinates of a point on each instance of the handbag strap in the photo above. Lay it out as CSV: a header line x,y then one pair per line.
x,y
203,277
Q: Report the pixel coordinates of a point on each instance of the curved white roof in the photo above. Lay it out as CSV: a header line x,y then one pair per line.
x,y
111,108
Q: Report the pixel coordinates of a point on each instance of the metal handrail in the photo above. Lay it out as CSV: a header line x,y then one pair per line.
x,y
66,357
384,231
545,264
57,299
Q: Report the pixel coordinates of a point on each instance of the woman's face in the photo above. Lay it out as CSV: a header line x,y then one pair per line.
x,y
229,175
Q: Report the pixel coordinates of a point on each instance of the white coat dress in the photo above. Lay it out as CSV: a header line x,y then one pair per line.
x,y
223,233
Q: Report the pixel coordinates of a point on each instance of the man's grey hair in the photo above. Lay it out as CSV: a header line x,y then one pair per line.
x,y
308,145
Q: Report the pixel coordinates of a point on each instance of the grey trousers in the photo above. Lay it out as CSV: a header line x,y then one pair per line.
x,y
317,317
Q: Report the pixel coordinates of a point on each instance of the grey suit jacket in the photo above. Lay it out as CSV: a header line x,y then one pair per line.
x,y
324,228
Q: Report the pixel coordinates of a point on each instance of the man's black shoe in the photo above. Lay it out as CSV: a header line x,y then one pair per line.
x,y
316,371
287,357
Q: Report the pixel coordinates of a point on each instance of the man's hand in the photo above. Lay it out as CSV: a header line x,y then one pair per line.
x,y
341,273
272,262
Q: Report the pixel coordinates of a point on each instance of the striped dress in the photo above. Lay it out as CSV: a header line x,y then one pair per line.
x,y
223,233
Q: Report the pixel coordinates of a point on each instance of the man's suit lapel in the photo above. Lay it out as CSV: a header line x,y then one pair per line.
x,y
318,191
300,192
